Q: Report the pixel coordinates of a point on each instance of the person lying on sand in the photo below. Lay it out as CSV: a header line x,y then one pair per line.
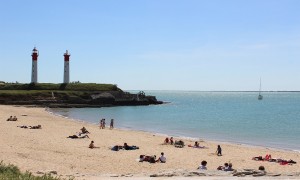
x,y
31,127
116,148
24,126
36,127
144,158
92,146
78,136
150,159
196,145
126,147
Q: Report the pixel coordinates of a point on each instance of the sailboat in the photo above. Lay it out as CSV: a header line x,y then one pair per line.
x,y
260,97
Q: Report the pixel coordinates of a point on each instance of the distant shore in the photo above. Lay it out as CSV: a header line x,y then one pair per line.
x,y
49,149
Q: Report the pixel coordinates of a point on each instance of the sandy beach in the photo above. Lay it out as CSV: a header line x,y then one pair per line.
x,y
49,149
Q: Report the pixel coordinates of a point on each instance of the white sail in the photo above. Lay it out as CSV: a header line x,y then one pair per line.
x,y
260,97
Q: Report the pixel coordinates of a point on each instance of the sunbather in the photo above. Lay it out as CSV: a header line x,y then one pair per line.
x,y
36,127
144,158
78,136
126,147
116,148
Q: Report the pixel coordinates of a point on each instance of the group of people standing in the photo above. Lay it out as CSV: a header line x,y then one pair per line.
x,y
103,123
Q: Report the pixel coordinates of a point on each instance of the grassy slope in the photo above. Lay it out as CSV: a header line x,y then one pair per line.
x,y
67,87
46,89
12,172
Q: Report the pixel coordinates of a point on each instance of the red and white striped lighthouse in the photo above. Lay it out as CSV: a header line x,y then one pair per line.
x,y
66,67
34,72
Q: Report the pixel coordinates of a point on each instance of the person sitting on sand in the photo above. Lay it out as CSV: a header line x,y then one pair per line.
x,y
203,166
92,146
166,140
14,118
223,167
196,144
84,130
126,147
219,151
229,167
10,118
152,159
162,158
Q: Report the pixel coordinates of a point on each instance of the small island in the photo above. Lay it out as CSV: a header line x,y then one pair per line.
x,y
71,95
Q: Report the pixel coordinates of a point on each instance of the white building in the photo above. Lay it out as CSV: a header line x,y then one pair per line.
x,y
34,72
66,67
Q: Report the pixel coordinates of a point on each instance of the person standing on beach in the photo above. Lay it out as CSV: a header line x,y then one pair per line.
x,y
103,124
219,151
100,124
111,124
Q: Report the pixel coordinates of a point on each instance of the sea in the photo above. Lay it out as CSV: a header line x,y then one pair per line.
x,y
226,117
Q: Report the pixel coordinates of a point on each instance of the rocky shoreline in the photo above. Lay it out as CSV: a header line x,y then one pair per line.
x,y
88,99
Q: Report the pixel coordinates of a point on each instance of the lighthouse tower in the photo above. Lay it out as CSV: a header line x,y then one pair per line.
x,y
34,72
66,67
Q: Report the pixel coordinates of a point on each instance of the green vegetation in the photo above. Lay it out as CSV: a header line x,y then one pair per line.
x,y
13,172
62,87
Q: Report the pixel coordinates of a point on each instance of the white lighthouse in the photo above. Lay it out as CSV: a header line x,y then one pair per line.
x,y
66,67
34,72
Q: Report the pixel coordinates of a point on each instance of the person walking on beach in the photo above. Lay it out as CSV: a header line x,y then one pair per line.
x,y
219,151
111,124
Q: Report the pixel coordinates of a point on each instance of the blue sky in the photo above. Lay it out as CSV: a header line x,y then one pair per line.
x,y
155,44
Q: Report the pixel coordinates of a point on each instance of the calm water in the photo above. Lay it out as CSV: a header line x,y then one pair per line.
x,y
236,117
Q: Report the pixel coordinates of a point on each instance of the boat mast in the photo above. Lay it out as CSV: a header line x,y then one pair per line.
x,y
259,85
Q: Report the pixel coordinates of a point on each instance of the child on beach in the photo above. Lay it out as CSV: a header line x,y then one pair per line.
x,y
162,158
203,166
92,146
